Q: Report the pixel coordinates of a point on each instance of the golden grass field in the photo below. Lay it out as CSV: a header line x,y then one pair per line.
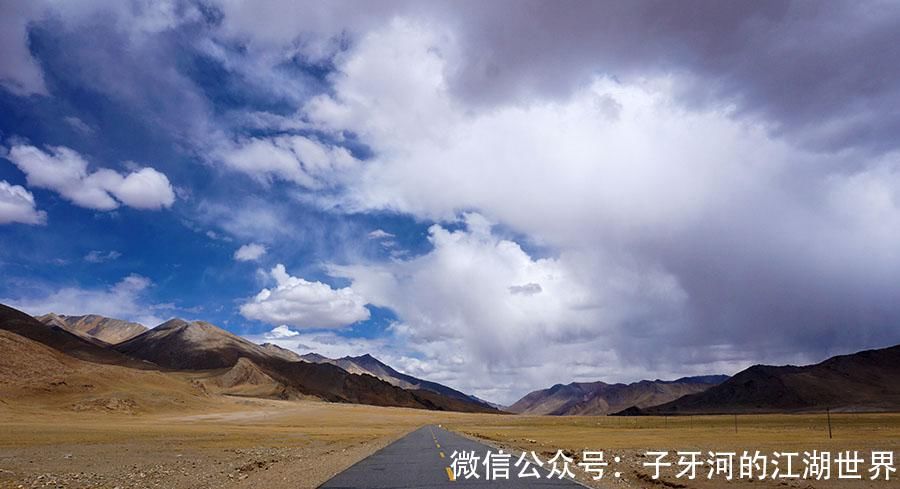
x,y
240,443
630,437
233,443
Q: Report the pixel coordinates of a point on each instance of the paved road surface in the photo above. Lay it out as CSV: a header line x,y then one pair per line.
x,y
422,459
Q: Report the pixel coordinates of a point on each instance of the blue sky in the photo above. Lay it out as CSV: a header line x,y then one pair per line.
x,y
602,192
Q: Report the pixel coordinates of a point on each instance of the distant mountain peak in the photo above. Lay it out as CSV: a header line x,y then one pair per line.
x,y
315,358
173,323
368,364
95,327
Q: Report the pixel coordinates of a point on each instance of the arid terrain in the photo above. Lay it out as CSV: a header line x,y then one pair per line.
x,y
227,443
631,437
232,442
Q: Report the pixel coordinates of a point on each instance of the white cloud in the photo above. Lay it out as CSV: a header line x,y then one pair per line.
x,y
124,300
17,205
304,304
680,225
66,172
296,159
98,256
333,345
249,252
436,157
380,234
280,333
254,218
144,189
457,313
79,125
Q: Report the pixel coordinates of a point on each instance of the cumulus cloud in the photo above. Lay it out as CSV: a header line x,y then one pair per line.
x,y
750,55
123,300
66,172
280,333
249,252
17,205
680,226
304,304
457,313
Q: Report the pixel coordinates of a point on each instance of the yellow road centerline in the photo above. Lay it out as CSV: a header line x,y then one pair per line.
x,y
450,474
442,454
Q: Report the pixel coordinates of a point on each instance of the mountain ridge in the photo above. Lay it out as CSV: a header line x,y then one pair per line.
x,y
198,345
368,364
94,326
599,398
62,340
861,381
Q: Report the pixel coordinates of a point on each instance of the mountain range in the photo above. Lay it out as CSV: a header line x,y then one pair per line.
x,y
187,361
94,327
224,363
600,398
367,364
863,381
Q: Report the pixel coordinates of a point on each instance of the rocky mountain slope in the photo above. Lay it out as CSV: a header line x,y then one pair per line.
x,y
61,340
600,398
280,352
195,346
199,358
864,381
367,364
35,376
108,330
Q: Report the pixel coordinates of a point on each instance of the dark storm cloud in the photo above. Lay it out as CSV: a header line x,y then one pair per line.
x,y
822,73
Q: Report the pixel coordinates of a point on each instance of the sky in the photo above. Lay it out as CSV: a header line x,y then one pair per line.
x,y
498,196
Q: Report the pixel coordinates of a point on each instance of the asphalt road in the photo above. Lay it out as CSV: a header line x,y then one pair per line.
x,y
423,459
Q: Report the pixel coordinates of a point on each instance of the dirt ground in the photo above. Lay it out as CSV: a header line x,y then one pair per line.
x,y
248,443
243,443
630,438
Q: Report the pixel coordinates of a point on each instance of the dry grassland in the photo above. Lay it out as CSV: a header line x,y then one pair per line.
x,y
631,437
243,443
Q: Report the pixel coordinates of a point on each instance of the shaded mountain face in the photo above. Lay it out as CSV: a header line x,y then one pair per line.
x,y
600,398
45,367
315,358
60,339
863,381
367,364
182,345
107,330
